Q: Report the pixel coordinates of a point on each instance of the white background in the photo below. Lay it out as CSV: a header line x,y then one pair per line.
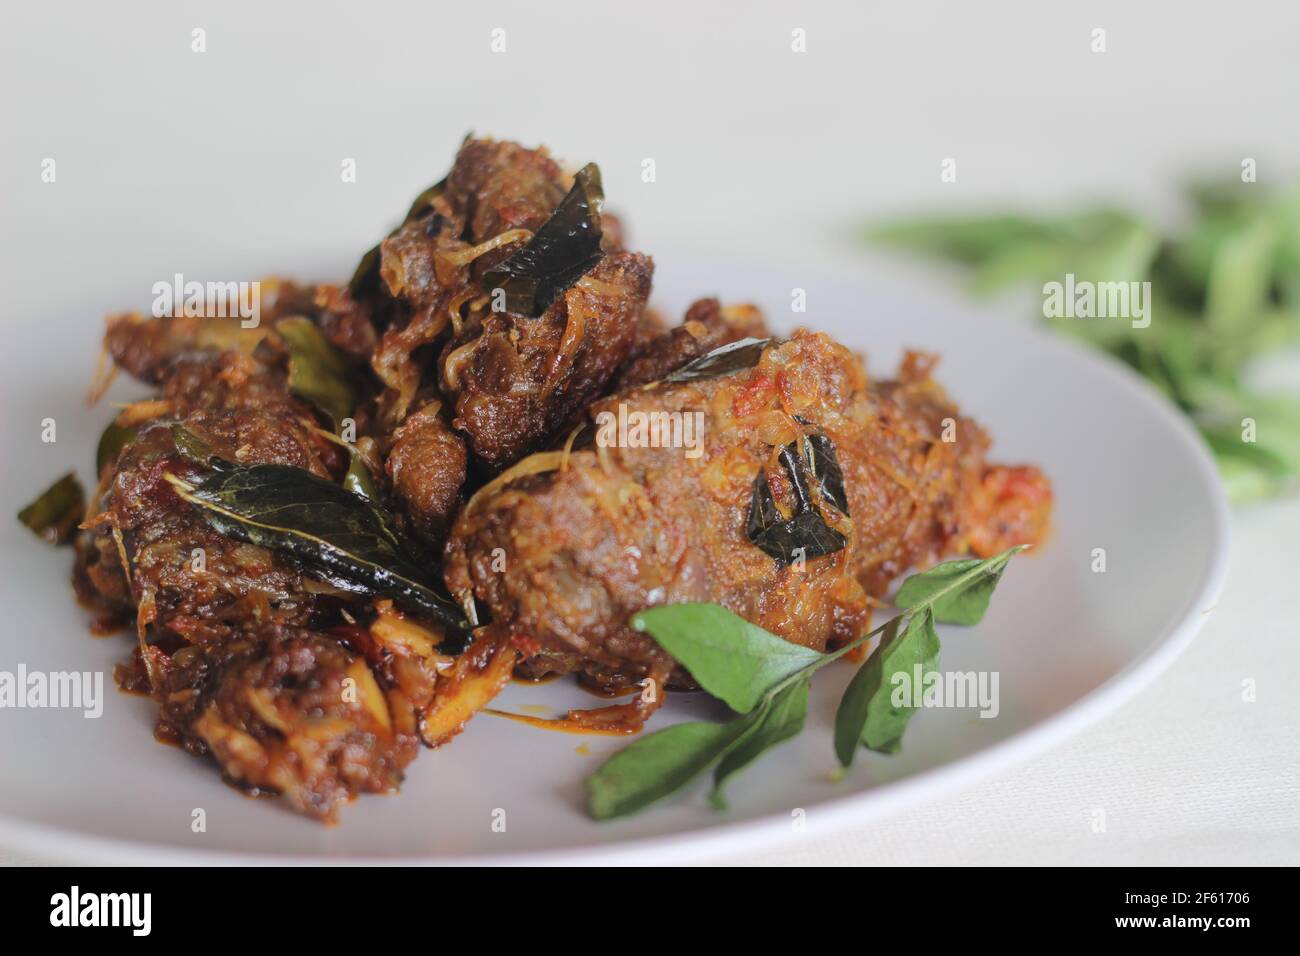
x,y
233,156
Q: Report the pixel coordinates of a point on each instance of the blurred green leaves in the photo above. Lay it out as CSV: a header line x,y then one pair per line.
x,y
1225,290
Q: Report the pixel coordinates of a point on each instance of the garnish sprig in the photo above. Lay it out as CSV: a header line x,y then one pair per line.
x,y
766,680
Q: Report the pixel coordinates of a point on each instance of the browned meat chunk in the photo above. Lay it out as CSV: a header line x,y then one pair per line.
x,y
146,348
288,711
427,468
514,380
222,624
519,381
707,326
621,528
498,186
245,413
347,323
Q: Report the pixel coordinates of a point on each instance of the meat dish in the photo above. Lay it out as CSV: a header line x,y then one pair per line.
x,y
336,535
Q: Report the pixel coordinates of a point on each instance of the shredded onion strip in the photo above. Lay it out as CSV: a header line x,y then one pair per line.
x,y
143,411
462,256
451,368
105,373
536,464
454,307
575,329
599,287
568,445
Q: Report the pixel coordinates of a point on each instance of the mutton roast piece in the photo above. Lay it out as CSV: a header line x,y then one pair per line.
x,y
518,382
230,643
618,529
147,348
706,326
513,380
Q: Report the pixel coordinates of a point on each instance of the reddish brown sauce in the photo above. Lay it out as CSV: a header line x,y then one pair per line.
x,y
614,720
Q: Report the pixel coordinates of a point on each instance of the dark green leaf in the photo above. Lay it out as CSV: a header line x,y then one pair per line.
x,y
855,705
823,468
422,205
318,371
805,533
344,538
55,514
775,721
365,278
723,360
868,711
564,249
111,443
192,447
656,765
732,659
957,591
358,478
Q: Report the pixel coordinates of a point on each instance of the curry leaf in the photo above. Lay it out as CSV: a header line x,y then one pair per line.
x,y
732,659
111,442
824,469
725,359
1220,292
968,240
767,680
868,712
855,705
805,534
358,479
348,540
318,371
958,592
779,718
564,249
656,765
1241,276
57,511
193,448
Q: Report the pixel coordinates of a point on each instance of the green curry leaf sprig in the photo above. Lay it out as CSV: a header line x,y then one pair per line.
x,y
766,679
1224,292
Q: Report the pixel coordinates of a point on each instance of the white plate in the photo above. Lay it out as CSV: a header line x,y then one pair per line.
x,y
1068,644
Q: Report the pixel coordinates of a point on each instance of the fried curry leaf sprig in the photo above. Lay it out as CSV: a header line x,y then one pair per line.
x,y
766,679
346,539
